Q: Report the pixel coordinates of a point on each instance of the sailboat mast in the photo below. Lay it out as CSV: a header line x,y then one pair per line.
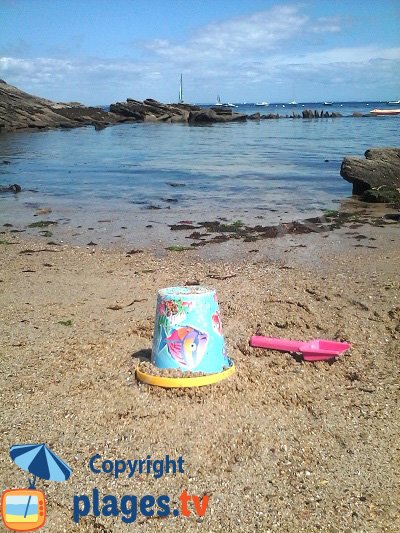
x,y
181,92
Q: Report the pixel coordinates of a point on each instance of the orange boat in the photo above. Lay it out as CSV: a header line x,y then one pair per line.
x,y
378,112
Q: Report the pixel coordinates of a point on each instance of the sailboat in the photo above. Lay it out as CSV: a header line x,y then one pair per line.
x,y
181,92
219,103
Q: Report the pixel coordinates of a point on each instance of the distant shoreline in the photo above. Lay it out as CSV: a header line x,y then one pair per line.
x,y
24,112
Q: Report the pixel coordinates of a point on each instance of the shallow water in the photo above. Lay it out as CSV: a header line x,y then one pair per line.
x,y
139,174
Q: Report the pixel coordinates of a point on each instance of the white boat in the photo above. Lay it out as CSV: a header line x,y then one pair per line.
x,y
262,103
384,112
219,103
393,102
327,103
293,102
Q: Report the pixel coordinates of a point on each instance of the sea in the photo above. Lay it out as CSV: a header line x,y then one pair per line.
x,y
131,181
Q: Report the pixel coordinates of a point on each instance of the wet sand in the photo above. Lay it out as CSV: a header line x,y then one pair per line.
x,y
282,446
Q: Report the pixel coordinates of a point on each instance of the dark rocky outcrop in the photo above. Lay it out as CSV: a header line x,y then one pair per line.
x,y
23,111
271,116
14,188
377,177
152,111
309,113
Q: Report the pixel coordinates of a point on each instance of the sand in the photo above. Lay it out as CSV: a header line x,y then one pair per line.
x,y
283,445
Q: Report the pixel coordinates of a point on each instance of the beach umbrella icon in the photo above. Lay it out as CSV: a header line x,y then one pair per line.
x,y
40,461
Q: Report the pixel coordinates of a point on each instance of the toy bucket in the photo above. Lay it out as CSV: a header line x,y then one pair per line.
x,y
188,331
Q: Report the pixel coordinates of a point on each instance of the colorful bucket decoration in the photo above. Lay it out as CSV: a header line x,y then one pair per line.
x,y
188,331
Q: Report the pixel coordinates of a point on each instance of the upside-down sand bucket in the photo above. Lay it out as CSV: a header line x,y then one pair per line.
x,y
188,331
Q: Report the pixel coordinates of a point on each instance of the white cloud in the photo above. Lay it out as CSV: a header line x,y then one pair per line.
x,y
260,32
327,25
360,54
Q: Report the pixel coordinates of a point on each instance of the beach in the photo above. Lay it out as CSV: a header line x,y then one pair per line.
x,y
283,445
178,187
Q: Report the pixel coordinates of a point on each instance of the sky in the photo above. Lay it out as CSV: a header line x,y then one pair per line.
x,y
103,51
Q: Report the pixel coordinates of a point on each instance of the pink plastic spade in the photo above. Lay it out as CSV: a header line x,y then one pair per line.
x,y
316,350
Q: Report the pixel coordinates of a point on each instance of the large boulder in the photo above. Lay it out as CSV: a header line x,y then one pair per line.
x,y
130,109
378,173
204,116
152,111
215,114
14,188
21,111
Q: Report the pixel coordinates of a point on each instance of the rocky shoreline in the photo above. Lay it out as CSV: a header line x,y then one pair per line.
x,y
377,178
20,111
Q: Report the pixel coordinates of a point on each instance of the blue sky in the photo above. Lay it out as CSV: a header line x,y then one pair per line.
x,y
99,52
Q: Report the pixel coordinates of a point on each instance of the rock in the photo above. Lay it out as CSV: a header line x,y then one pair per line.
x,y
211,115
23,111
81,115
132,109
238,117
378,173
11,188
203,116
307,113
152,111
222,110
392,216
381,195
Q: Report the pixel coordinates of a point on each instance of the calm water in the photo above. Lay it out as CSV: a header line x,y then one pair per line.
x,y
275,169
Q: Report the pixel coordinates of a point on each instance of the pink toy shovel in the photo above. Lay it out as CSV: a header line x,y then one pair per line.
x,y
316,350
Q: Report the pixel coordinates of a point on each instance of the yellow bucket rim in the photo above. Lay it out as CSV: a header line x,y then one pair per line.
x,y
197,381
